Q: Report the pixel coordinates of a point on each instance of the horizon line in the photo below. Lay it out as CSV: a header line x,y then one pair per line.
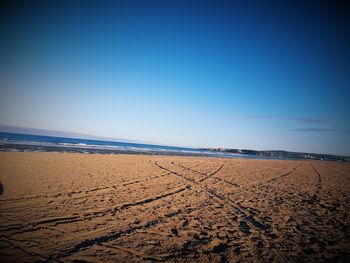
x,y
68,134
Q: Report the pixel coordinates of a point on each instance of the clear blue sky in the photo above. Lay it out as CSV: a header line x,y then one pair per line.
x,y
240,74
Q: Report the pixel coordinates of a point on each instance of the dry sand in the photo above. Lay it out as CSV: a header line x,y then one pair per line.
x,y
129,208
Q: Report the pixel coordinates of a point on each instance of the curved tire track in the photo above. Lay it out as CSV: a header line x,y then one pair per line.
x,y
247,219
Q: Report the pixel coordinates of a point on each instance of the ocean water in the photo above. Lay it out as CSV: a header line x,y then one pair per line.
x,y
29,142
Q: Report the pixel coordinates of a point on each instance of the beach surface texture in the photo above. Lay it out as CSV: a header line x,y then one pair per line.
x,y
72,207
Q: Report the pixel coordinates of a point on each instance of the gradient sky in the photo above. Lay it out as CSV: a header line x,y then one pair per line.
x,y
239,74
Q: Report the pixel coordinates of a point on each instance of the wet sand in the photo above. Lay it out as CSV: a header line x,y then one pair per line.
x,y
70,207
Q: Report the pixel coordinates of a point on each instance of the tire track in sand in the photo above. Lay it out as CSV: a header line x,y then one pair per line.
x,y
82,194
31,227
319,179
246,220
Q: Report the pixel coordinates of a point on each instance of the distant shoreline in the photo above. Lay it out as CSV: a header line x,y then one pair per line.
x,y
284,154
66,149
15,142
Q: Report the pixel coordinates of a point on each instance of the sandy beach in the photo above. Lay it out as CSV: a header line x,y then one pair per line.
x,y
70,207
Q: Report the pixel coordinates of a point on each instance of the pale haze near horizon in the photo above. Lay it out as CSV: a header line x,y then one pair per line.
x,y
200,76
